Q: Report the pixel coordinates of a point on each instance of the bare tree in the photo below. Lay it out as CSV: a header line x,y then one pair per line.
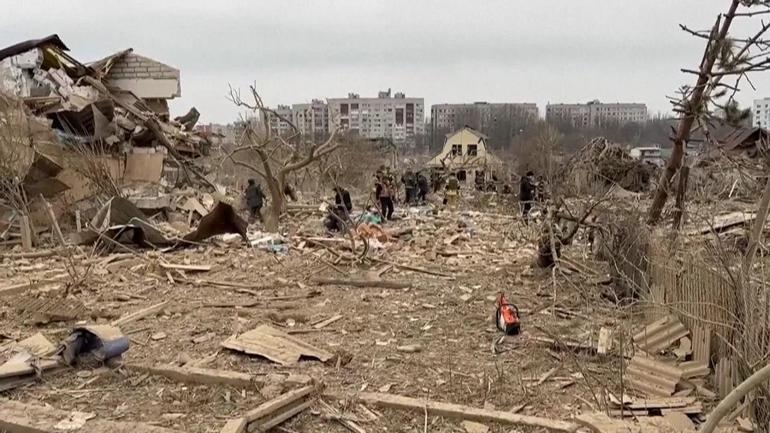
x,y
278,156
724,56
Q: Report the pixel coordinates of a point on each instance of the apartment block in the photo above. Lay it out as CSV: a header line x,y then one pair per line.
x,y
311,119
480,115
395,117
280,124
760,113
596,113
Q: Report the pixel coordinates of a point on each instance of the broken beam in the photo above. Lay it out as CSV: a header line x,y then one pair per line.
x,y
208,376
457,411
133,317
383,284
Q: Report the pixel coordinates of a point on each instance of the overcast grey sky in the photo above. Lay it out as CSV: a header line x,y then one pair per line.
x,y
443,50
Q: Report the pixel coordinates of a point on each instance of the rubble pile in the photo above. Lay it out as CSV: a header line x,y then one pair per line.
x,y
611,164
87,136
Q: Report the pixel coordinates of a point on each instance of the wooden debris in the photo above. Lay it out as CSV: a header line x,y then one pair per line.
x,y
337,416
383,284
16,417
410,348
571,345
274,412
189,268
137,315
660,335
605,341
457,411
275,345
652,377
16,289
328,321
235,425
415,269
547,375
207,376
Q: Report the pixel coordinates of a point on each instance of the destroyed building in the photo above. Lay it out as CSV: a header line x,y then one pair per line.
x,y
92,126
466,153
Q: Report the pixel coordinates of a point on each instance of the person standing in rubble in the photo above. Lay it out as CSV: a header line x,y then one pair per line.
x,y
422,188
410,186
340,213
527,194
452,191
384,191
254,200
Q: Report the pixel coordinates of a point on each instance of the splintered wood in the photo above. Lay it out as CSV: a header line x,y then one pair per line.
x,y
457,411
274,412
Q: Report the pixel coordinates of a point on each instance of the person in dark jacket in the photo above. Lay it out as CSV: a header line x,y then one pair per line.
x,y
254,199
340,212
422,188
527,193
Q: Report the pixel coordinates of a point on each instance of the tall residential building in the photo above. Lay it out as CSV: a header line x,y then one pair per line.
x,y
455,116
396,117
760,113
280,124
498,120
311,119
595,113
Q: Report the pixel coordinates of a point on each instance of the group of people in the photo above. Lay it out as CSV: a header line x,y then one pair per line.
x,y
416,187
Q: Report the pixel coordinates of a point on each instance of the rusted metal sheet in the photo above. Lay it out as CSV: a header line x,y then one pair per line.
x,y
652,377
660,335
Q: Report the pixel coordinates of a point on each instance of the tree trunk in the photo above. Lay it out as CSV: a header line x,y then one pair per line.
x,y
681,192
692,106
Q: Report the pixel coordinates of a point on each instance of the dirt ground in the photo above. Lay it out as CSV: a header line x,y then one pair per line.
x,y
462,358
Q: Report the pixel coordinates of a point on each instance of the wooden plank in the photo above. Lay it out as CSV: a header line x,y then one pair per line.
x,y
190,268
235,425
208,376
269,407
16,417
457,411
605,341
328,321
137,315
382,284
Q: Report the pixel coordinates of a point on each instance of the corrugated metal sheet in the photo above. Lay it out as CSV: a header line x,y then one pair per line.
x,y
701,344
660,335
652,377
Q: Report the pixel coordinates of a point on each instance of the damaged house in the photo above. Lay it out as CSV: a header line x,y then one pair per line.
x,y
466,153
91,127
154,82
